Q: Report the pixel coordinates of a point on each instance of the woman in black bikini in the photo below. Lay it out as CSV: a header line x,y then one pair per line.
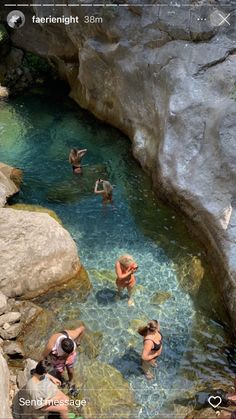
x,y
152,346
75,158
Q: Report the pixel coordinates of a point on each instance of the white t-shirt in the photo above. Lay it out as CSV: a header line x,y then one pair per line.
x,y
40,391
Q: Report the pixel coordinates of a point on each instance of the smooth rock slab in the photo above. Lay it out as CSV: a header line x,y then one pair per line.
x,y
36,253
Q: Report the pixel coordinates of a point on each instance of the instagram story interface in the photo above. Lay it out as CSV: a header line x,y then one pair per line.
x,y
117,209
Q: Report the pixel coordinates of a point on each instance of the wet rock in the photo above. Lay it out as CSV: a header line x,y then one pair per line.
x,y
4,388
91,343
36,335
105,390
13,349
40,253
7,186
10,331
12,317
138,289
191,274
160,297
3,303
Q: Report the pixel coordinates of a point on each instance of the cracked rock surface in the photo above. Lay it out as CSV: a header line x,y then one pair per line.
x,y
168,81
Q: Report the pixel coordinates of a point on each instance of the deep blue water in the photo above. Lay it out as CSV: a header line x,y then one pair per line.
x,y
37,132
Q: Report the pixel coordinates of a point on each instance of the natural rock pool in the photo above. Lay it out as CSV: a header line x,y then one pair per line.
x,y
37,132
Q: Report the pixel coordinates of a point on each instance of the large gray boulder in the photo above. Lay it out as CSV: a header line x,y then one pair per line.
x,y
4,389
167,79
36,253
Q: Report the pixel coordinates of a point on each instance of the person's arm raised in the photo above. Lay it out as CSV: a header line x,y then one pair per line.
x,y
120,274
76,334
96,188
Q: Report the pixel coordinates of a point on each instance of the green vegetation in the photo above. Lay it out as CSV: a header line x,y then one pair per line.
x,y
3,34
37,65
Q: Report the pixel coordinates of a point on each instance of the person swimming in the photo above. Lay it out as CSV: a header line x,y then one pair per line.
x,y
75,158
152,346
125,267
106,192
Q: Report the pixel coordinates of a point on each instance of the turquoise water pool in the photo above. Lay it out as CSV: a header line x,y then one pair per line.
x,y
37,132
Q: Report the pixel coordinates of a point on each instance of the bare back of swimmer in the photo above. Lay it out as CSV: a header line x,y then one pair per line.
x,y
75,158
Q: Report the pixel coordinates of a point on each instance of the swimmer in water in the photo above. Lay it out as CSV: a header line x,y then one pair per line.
x,y
106,191
75,158
125,267
152,346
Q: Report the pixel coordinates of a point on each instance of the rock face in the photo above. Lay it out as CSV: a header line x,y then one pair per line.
x,y
168,81
4,388
36,253
9,182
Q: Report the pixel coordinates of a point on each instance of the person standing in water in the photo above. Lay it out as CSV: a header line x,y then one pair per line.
x,y
106,191
152,346
75,158
125,267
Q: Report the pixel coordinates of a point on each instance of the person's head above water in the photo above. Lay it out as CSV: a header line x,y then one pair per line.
x,y
127,260
151,327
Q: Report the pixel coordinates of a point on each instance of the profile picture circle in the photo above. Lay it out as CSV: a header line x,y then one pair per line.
x,y
15,19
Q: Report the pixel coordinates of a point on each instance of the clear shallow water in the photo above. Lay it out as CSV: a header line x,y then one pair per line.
x,y
37,132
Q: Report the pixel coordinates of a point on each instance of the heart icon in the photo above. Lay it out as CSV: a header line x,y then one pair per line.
x,y
214,401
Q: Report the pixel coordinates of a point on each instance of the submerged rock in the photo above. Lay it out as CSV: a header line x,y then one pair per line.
x,y
160,297
106,392
40,253
91,343
136,323
104,275
191,274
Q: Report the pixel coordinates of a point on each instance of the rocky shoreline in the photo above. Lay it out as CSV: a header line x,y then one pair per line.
x,y
23,236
